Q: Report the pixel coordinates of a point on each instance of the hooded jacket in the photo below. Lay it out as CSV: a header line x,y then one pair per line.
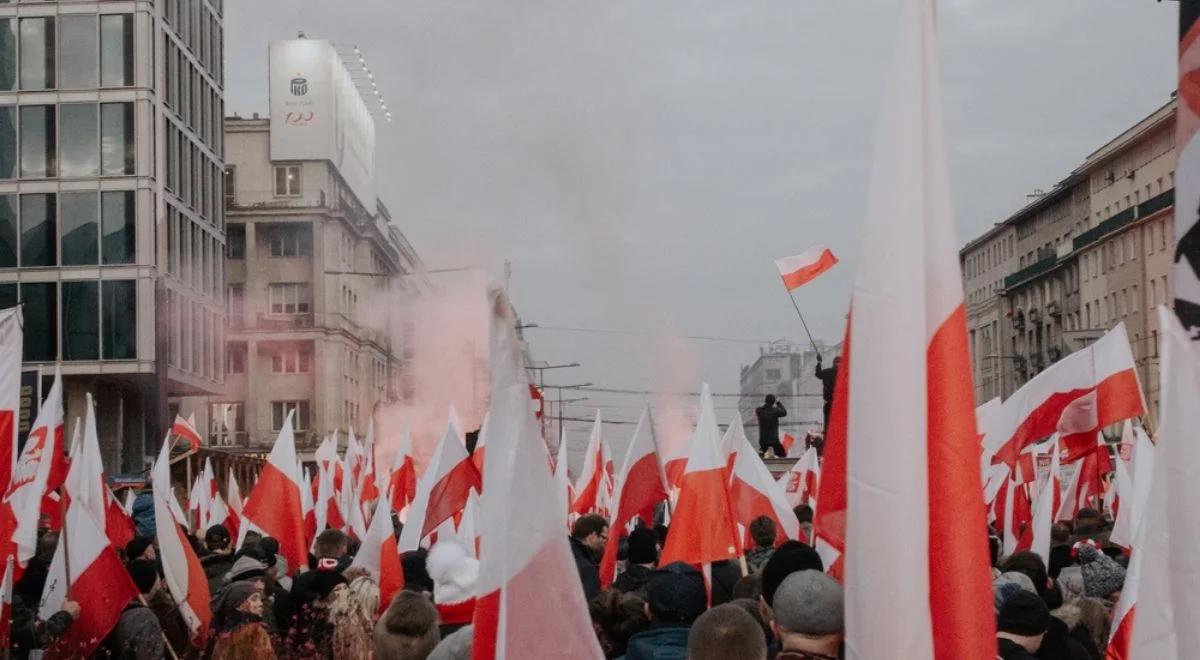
x,y
659,642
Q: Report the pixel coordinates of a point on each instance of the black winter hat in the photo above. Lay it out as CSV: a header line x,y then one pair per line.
x,y
144,572
1024,613
136,546
676,594
643,546
216,537
788,558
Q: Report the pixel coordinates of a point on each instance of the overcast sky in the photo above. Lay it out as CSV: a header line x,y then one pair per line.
x,y
642,164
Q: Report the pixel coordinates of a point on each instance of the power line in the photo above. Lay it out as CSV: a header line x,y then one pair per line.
x,y
617,390
643,333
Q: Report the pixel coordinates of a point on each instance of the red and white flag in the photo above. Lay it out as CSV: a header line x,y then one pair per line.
x,y
1135,490
528,585
442,490
368,489
703,527
98,582
402,479
1045,506
379,556
911,442
481,439
640,487
754,493
35,476
197,505
186,429
307,508
6,614
1085,489
183,576
234,501
275,506
1076,397
467,530
1164,564
562,476
800,484
327,506
789,442
86,485
805,267
10,390
591,479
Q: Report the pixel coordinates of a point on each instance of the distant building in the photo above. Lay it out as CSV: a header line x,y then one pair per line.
x,y
111,221
788,371
1094,251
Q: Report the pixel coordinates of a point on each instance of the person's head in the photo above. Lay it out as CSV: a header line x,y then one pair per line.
x,y
643,547
808,613
359,598
750,586
788,558
251,539
762,530
617,616
726,631
408,629
140,547
144,573
416,573
46,545
1030,564
331,544
243,596
1088,520
1007,584
592,531
216,539
804,513
770,400
1102,577
269,546
676,594
1024,620
1060,533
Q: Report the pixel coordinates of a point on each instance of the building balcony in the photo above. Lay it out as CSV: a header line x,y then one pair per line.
x,y
267,199
1053,308
270,322
1039,267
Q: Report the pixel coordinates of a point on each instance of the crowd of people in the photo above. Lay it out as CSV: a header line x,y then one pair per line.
x,y
775,602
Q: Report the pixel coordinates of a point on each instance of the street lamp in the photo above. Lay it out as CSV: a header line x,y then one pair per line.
x,y
560,389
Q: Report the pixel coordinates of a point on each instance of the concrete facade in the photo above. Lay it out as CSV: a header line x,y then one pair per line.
x,y
110,151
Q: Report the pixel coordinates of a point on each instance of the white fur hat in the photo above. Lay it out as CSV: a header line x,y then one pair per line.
x,y
453,572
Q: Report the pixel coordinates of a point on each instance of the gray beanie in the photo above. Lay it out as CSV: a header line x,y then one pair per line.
x,y
810,603
456,646
1007,585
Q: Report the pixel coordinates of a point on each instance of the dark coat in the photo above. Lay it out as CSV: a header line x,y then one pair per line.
x,y
137,636
828,379
768,420
27,633
634,579
1010,650
659,642
215,567
589,572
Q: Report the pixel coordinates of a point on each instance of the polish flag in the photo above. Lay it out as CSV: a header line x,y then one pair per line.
x,y
703,526
328,509
307,508
326,456
186,429
481,440
1161,579
587,488
1017,516
117,524
98,582
354,457
562,475
530,596
233,522
1084,490
379,557
197,506
730,442
754,493
368,490
402,480
467,529
35,473
788,441
1044,508
911,442
130,496
1078,395
183,576
640,487
276,509
805,267
442,490
86,486
10,391
1135,491
6,614
800,484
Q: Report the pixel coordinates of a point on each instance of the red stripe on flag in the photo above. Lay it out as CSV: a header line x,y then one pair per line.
x,y
198,595
279,514
962,628
1122,638
702,527
102,590
805,274
830,520
449,495
641,490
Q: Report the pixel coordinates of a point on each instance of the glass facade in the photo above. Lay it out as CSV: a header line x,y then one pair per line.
x,y
8,54
37,53
120,319
119,220
80,222
38,141
40,314
80,151
77,63
81,320
116,138
8,231
116,50
8,141
38,235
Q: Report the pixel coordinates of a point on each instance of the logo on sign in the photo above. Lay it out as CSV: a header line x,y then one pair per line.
x,y
299,86
298,118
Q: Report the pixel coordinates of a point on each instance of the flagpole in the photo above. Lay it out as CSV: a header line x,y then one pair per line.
x,y
797,308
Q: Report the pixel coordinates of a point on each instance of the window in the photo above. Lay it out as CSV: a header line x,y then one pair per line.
x,y
38,235
38,141
8,231
226,423
287,180
294,240
293,360
118,221
80,150
235,242
80,320
116,50
37,53
235,357
8,137
288,298
80,222
230,180
280,410
8,54
774,374
116,138
77,51
234,302
40,314
120,319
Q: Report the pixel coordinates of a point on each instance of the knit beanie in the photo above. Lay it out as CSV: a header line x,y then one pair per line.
x,y
676,594
643,547
245,568
416,574
788,558
1101,575
136,546
1023,613
144,573
1006,585
454,575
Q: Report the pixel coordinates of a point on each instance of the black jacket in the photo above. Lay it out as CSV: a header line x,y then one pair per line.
x,y
1010,650
634,579
768,419
828,381
27,633
589,572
